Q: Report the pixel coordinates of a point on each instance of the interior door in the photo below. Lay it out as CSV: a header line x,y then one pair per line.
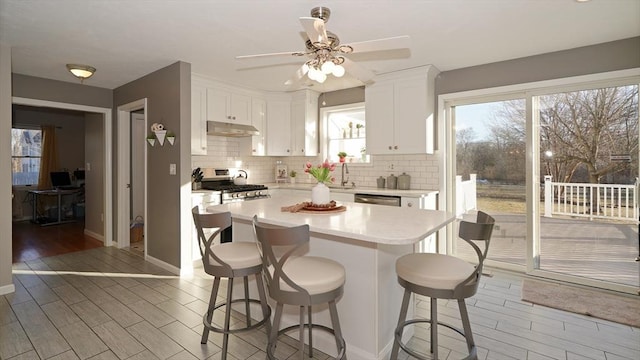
x,y
137,165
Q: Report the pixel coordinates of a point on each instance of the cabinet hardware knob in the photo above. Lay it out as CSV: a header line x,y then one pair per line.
x,y
409,204
395,147
390,147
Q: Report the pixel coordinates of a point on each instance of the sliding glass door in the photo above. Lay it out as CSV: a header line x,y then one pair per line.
x,y
558,169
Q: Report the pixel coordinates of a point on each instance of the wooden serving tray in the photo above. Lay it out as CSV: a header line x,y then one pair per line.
x,y
322,210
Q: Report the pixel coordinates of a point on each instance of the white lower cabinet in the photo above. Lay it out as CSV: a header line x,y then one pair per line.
x,y
429,202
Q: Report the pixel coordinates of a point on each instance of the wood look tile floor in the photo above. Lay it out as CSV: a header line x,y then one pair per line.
x,y
107,303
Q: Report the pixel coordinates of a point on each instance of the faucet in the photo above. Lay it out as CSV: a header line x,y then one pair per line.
x,y
344,182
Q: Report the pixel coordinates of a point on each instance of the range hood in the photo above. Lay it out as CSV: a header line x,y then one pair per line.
x,y
230,129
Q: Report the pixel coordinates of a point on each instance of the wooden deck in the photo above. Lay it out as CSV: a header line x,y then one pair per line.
x,y
598,249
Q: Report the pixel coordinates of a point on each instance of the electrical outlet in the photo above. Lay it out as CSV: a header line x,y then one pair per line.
x,y
390,166
172,169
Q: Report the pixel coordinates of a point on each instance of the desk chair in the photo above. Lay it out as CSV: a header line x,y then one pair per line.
x,y
228,260
440,276
303,281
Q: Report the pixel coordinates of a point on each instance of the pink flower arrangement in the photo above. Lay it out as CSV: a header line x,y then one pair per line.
x,y
322,172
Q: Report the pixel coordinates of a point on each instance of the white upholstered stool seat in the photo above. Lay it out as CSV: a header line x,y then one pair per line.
x,y
441,276
314,274
303,281
228,260
435,271
237,255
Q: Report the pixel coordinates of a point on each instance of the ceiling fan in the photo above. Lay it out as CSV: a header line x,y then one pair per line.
x,y
326,55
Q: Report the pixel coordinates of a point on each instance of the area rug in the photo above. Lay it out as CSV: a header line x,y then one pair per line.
x,y
599,304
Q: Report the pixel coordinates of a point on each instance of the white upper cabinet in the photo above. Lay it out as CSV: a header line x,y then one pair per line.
x,y
304,123
228,106
198,119
400,111
259,121
278,127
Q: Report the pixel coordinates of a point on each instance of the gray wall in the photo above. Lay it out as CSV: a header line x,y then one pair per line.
x,y
166,104
59,91
341,97
610,56
6,284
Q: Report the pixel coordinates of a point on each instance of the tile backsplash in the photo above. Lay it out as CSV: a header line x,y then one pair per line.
x,y
234,154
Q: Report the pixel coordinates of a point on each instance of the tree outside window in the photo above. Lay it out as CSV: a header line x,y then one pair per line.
x,y
26,149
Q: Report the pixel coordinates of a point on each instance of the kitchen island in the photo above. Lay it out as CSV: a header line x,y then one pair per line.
x,y
366,240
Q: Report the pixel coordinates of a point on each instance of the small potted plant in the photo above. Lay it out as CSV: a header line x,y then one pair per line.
x,y
358,127
171,137
342,155
151,139
292,176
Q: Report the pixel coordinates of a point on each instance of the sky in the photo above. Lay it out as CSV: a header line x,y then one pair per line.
x,y
477,117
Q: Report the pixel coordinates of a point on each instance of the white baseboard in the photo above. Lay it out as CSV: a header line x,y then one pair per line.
x,y
7,289
94,235
162,264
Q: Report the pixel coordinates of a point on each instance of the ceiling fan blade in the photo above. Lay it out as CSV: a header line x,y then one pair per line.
x,y
359,72
398,42
297,77
258,56
315,30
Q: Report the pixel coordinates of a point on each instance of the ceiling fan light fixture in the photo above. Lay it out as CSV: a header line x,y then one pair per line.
x,y
321,77
328,67
81,71
338,71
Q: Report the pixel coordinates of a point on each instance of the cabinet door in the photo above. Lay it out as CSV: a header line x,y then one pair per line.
x,y
380,113
278,128
410,116
198,120
258,117
240,109
298,113
218,103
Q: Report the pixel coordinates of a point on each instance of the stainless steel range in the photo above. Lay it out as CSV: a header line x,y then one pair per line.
x,y
231,192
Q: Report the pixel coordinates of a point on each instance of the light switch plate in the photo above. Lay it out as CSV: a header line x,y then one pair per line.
x,y
172,169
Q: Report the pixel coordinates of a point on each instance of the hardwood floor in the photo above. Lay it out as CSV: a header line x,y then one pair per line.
x,y
32,241
108,303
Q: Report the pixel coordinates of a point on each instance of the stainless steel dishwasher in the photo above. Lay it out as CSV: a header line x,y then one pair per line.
x,y
387,200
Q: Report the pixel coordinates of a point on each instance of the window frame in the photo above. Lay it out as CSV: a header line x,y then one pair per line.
x,y
325,112
13,156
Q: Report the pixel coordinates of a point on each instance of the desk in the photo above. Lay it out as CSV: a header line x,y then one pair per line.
x,y
52,192
366,240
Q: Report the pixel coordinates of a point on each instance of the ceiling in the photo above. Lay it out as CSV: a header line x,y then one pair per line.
x,y
127,39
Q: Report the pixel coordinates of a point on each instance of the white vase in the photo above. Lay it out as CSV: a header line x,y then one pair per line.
x,y
320,194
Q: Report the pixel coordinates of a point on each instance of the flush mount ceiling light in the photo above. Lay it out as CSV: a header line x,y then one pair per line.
x,y
81,71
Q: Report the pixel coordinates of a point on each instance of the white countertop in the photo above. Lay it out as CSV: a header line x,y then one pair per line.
x,y
357,190
371,223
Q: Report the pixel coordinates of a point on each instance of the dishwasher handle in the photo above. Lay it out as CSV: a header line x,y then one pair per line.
x,y
377,199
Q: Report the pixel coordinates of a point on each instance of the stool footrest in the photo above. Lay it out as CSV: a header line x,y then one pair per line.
x,y
398,336
216,329
342,348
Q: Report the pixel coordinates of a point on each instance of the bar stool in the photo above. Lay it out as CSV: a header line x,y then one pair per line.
x,y
440,276
228,260
293,279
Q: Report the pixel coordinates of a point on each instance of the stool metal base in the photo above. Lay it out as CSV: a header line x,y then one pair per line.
x,y
249,326
473,353
342,346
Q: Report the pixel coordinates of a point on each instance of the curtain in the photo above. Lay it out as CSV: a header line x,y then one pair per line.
x,y
48,163
48,157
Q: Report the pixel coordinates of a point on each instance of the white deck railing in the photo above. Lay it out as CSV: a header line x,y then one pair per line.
x,y
466,194
602,201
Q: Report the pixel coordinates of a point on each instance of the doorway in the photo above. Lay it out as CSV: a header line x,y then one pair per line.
x,y
558,168
103,172
131,119
137,168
